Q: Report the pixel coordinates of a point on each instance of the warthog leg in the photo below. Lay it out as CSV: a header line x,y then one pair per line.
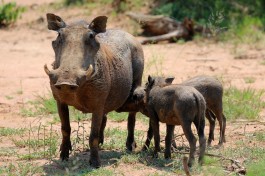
x,y
155,127
192,140
219,116
211,117
224,126
130,143
66,130
200,125
102,128
149,137
168,140
94,139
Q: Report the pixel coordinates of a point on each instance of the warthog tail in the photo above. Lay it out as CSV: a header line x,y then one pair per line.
x,y
200,124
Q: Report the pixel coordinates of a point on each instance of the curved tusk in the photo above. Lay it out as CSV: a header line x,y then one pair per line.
x,y
89,71
47,71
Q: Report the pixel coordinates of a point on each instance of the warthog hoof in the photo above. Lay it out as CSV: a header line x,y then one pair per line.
x,y
155,155
190,162
65,148
64,155
95,163
101,140
200,161
131,145
167,155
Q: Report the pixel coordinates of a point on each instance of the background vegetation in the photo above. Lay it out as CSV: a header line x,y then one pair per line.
x,y
9,13
239,18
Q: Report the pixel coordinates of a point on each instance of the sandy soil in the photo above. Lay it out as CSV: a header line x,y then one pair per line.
x,y
26,47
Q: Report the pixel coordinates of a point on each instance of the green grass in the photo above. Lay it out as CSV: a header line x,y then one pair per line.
x,y
76,115
154,66
214,170
38,148
21,169
259,136
9,13
11,131
116,137
245,104
256,168
129,159
101,171
248,31
85,2
43,105
249,80
210,161
251,153
142,118
8,97
7,151
118,117
46,105
41,142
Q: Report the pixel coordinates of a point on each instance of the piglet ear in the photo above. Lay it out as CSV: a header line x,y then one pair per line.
x,y
149,78
99,24
169,80
150,81
55,22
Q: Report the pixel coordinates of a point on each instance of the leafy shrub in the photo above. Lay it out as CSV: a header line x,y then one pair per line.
x,y
202,10
241,17
9,13
81,2
74,2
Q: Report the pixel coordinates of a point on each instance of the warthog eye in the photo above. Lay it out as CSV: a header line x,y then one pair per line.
x,y
91,35
89,38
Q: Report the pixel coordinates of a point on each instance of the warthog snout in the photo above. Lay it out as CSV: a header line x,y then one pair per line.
x,y
66,86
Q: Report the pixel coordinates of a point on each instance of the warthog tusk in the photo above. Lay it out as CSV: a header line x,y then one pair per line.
x,y
89,71
47,71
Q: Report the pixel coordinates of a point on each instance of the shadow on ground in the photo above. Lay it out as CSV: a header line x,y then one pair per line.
x,y
78,163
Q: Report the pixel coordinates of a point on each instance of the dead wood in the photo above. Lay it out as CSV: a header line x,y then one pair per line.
x,y
236,166
154,25
175,35
164,28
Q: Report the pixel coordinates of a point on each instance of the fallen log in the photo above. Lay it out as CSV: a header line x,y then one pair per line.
x,y
165,28
154,25
172,36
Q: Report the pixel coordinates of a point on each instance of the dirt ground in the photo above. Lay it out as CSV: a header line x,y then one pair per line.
x,y
26,47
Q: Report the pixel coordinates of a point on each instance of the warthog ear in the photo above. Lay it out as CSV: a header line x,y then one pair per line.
x,y
55,22
169,80
151,81
99,24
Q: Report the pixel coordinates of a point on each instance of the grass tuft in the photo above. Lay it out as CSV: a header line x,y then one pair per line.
x,y
21,169
11,131
256,168
118,117
9,13
245,104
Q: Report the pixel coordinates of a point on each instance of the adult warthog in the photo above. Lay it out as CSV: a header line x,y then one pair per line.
x,y
95,70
